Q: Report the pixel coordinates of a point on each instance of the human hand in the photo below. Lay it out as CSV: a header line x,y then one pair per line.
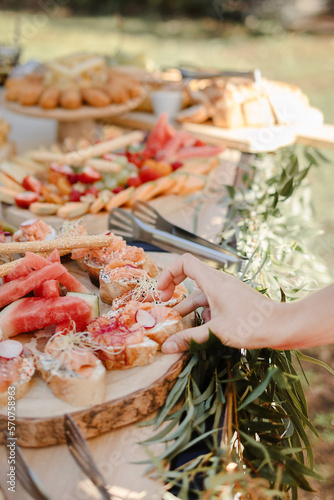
x,y
236,313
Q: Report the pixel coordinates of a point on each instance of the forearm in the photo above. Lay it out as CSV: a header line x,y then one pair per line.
x,y
307,322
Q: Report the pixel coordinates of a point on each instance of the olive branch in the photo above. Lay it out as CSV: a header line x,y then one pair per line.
x,y
235,424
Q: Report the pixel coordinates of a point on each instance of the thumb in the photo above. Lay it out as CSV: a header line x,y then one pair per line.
x,y
180,341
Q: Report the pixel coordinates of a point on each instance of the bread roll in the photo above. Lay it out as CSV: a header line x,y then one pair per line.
x,y
95,97
71,99
116,92
29,94
49,98
198,113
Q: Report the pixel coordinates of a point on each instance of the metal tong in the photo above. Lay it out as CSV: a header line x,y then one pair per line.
x,y
197,74
167,236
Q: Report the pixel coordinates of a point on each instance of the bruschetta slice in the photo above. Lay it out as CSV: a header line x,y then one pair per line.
x,y
16,369
146,291
116,281
72,371
120,346
159,321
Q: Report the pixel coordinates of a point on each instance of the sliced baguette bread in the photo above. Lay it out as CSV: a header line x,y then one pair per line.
x,y
131,355
16,373
71,386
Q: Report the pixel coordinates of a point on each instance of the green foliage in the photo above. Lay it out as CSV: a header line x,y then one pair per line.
x,y
262,429
248,408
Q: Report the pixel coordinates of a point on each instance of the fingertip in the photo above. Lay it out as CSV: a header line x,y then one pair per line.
x,y
170,347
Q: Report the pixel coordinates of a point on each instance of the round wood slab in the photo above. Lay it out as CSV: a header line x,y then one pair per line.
x,y
131,394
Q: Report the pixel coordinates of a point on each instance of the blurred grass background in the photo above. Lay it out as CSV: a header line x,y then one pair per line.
x,y
299,57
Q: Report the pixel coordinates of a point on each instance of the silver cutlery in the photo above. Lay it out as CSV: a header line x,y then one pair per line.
x,y
198,74
79,450
26,475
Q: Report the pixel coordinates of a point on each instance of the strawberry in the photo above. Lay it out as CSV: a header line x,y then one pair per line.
x,y
134,181
176,165
118,189
89,175
62,169
75,195
30,183
24,200
92,190
148,174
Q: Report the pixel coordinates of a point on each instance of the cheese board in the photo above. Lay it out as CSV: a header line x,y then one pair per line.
x,y
131,394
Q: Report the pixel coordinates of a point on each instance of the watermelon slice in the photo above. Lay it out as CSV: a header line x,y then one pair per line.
x,y
173,146
31,261
194,151
18,288
71,283
20,270
161,133
35,313
48,289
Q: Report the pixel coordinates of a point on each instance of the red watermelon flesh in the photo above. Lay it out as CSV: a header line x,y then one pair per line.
x,y
159,135
172,146
18,288
63,326
71,283
35,313
31,261
54,256
194,151
49,288
20,270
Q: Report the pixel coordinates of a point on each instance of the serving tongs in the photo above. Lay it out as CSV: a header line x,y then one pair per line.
x,y
198,74
148,226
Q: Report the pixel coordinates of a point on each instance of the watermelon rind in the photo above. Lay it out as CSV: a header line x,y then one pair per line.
x,y
91,299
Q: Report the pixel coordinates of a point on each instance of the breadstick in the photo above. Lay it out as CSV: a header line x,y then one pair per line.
x,y
81,156
99,240
9,266
105,165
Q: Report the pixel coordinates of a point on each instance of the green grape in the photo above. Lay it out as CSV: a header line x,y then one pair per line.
x,y
122,176
110,182
121,160
99,185
131,167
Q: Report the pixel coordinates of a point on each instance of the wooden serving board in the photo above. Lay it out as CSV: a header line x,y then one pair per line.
x,y
248,139
131,394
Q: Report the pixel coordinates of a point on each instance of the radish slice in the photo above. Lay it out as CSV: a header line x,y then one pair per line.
x,y
145,318
10,349
28,222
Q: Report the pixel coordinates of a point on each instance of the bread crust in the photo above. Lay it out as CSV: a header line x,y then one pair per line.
x,y
161,332
23,384
132,355
73,388
21,388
